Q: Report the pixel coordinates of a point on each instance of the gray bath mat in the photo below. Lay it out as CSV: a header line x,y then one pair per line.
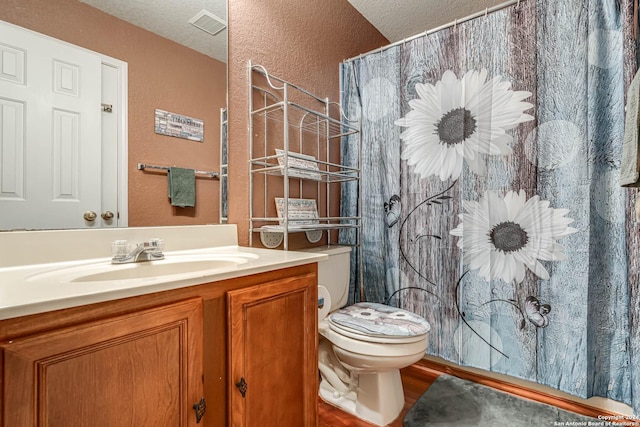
x,y
451,401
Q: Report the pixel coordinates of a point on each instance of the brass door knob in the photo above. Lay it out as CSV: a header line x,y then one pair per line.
x,y
107,215
90,216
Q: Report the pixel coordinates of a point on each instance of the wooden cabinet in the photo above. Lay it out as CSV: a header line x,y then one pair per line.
x,y
146,360
273,354
138,369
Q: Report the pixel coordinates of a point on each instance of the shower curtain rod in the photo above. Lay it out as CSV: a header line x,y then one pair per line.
x,y
442,27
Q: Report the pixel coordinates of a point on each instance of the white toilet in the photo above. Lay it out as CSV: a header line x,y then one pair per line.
x,y
363,347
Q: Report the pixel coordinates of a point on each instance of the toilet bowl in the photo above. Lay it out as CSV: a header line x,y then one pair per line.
x,y
363,346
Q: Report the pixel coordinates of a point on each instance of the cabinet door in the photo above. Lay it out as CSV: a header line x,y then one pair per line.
x,y
273,354
139,369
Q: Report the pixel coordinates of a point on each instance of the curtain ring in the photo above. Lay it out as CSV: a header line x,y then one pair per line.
x,y
486,12
455,24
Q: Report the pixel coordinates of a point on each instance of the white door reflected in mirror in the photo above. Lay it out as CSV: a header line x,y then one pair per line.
x,y
53,159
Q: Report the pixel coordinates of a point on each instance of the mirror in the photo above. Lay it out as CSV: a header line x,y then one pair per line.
x,y
171,66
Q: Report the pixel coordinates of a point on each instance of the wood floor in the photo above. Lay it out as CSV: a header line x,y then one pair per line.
x,y
417,378
414,382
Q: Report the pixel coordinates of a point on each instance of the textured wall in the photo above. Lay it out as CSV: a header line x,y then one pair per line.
x,y
163,75
300,41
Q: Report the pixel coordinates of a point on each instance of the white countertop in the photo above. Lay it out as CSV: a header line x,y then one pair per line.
x,y
46,286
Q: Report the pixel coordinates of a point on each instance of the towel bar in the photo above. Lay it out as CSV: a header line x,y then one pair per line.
x,y
143,166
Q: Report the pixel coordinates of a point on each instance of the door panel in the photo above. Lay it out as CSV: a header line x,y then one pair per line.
x,y
110,145
273,348
11,150
140,369
50,135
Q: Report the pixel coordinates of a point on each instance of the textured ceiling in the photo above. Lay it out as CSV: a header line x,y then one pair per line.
x,y
401,19
170,19
396,20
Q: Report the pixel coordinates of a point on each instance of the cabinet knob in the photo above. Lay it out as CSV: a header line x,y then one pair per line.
x,y
200,408
242,386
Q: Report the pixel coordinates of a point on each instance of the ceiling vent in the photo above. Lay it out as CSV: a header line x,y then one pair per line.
x,y
207,21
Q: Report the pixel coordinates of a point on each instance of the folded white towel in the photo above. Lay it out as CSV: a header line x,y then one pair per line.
x,y
630,166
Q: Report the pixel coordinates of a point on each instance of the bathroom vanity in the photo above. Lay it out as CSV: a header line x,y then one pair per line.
x,y
236,345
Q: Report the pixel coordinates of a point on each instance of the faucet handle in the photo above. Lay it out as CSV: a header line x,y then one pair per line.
x,y
154,245
120,248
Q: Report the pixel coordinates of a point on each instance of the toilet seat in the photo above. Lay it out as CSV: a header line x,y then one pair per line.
x,y
383,339
361,345
379,323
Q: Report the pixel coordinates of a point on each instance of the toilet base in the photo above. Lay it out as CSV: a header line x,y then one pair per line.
x,y
378,399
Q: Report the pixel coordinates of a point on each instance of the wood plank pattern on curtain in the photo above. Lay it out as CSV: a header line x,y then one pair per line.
x,y
561,306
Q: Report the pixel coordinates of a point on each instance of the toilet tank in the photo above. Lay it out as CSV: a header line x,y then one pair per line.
x,y
334,273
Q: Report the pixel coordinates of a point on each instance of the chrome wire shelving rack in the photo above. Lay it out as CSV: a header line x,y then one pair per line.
x,y
295,146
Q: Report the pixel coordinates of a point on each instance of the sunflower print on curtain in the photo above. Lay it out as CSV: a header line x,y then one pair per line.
x,y
490,196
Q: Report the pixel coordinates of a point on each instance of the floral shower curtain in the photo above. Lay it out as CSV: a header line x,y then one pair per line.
x,y
491,202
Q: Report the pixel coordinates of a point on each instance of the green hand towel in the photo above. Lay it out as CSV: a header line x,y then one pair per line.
x,y
182,187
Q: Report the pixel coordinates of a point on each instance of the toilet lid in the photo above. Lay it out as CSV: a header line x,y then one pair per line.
x,y
379,320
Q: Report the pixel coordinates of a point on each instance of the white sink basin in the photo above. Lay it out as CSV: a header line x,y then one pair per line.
x,y
172,267
156,269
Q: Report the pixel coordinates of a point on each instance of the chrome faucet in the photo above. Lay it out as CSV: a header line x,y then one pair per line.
x,y
145,251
